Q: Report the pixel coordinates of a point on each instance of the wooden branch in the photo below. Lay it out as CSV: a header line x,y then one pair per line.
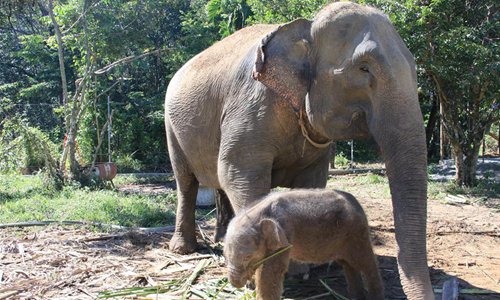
x,y
109,88
494,136
491,233
126,60
84,13
355,171
8,294
454,133
74,120
50,222
101,138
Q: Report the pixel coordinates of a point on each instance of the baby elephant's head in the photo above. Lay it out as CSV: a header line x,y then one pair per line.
x,y
248,242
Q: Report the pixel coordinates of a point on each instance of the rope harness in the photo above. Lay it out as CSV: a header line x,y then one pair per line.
x,y
305,133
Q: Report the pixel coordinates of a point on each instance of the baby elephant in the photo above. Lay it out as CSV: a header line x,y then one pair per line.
x,y
322,225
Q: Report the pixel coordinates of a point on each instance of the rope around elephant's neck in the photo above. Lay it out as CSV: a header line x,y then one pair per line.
x,y
303,128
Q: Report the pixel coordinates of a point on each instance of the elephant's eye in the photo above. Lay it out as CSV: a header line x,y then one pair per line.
x,y
364,68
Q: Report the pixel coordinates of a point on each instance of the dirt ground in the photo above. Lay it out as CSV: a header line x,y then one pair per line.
x,y
79,262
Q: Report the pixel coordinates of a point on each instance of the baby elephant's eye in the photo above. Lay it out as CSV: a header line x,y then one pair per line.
x,y
364,68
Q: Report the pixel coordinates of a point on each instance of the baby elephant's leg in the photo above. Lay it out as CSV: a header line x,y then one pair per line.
x,y
372,277
269,277
363,261
354,281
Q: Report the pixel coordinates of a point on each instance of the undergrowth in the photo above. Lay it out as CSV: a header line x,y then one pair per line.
x,y
26,198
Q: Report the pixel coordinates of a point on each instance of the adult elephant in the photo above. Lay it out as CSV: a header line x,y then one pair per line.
x,y
259,108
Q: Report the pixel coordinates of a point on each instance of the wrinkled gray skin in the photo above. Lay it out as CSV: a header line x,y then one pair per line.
x,y
232,119
321,226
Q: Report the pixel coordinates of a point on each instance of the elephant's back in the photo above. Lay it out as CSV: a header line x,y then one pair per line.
x,y
196,97
221,60
206,77
225,54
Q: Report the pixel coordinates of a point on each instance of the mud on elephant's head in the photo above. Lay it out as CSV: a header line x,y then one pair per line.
x,y
247,241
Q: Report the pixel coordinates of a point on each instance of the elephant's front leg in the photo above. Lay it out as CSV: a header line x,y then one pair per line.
x,y
269,277
245,176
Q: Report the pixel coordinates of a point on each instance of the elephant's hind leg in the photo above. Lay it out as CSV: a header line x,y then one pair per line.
x,y
224,214
184,239
354,280
362,263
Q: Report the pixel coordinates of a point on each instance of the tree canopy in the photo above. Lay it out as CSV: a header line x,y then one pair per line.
x,y
128,50
455,44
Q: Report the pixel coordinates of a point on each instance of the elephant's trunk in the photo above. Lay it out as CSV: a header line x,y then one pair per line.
x,y
401,137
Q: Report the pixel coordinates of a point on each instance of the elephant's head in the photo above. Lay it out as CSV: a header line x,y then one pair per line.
x,y
246,242
353,76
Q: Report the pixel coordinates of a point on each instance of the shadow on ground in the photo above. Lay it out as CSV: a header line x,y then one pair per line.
x,y
333,276
294,288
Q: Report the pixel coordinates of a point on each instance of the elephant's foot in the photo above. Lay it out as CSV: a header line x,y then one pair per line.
x,y
182,245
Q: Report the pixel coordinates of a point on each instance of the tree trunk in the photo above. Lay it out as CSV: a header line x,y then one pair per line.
x,y
75,107
433,150
431,123
466,164
64,84
468,173
60,53
333,152
442,136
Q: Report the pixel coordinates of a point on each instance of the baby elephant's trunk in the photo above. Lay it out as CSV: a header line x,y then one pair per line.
x,y
237,277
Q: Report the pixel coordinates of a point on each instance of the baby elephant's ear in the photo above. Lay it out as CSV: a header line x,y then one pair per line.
x,y
273,234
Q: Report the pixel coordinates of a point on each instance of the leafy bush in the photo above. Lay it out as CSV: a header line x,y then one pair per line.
x,y
25,149
374,179
23,198
126,164
486,187
341,161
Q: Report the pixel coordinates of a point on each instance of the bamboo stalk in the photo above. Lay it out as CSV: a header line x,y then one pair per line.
x,y
277,252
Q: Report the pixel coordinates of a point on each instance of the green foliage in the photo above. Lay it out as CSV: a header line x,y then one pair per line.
x,y
485,188
376,186
341,161
28,71
281,11
492,144
374,179
26,199
230,15
437,190
454,43
198,31
127,164
363,150
23,148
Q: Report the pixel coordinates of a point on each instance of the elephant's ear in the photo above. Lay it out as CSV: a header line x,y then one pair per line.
x,y
283,61
273,234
